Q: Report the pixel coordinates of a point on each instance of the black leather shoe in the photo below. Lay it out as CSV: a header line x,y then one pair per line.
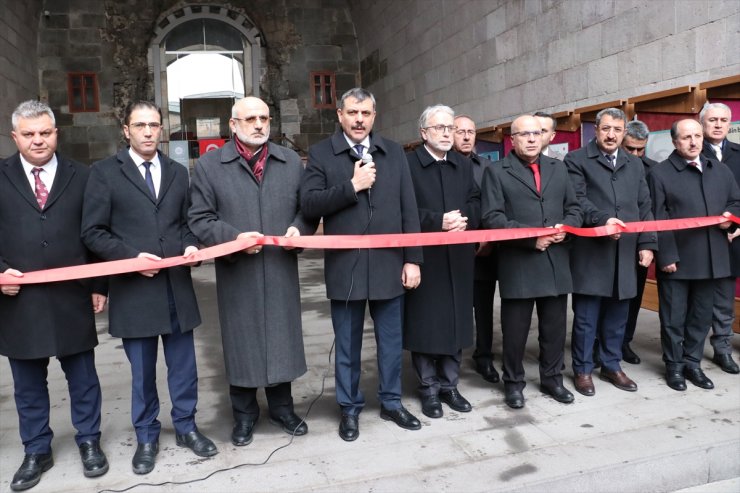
x,y
241,435
455,400
401,417
629,355
559,393
29,474
349,427
675,380
291,424
698,378
198,443
144,458
487,371
514,398
431,406
94,462
726,362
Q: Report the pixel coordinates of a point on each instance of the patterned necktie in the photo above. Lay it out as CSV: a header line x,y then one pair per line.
x,y
148,179
610,158
360,150
536,172
718,152
40,189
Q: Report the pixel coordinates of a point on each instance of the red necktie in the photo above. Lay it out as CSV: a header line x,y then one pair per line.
x,y
41,192
536,172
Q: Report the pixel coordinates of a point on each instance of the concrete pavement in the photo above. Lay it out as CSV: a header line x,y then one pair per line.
x,y
654,439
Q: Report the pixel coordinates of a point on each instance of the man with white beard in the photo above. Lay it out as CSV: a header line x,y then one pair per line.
x,y
249,188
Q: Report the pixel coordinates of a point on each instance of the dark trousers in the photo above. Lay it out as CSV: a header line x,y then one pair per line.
x,y
635,305
516,318
182,380
605,317
32,399
436,371
348,319
483,292
246,408
685,313
723,315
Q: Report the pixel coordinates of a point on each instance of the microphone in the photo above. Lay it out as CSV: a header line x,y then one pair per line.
x,y
366,159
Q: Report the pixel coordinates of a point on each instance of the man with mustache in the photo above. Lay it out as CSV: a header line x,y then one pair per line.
x,y
248,188
360,198
715,119
136,205
611,189
438,316
690,261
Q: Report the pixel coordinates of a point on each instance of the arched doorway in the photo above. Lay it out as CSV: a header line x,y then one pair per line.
x,y
204,58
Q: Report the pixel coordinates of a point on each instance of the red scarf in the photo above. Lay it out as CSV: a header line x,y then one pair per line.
x,y
255,161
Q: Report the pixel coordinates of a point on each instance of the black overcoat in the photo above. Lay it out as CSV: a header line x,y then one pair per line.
x,y
603,266
438,315
120,219
510,200
680,190
730,157
389,207
53,319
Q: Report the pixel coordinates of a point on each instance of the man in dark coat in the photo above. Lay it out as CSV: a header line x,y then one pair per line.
x,y
136,205
524,190
438,316
247,188
374,198
611,189
715,119
690,261
634,142
486,259
40,208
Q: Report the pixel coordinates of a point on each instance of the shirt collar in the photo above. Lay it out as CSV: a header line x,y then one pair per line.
x,y
49,167
365,142
433,156
138,160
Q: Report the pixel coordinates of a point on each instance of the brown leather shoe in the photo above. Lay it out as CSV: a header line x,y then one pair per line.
x,y
584,384
618,379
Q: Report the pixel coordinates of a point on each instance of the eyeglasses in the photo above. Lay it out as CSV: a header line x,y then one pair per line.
x,y
460,131
138,126
253,119
442,128
634,149
530,133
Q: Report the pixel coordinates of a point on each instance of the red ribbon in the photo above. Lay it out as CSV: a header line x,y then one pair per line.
x,y
352,241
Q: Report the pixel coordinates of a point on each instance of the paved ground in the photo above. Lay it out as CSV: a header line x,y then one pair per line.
x,y
653,440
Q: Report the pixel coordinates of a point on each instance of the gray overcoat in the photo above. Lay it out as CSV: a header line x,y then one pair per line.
x,y
259,299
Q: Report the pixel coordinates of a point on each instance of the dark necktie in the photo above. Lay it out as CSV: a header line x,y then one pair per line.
x,y
536,172
610,158
695,165
148,178
40,189
360,150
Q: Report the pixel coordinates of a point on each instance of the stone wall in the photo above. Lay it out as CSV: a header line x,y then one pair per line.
x,y
496,59
19,80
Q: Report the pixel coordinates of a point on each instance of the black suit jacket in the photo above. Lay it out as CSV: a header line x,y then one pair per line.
x,y
597,264
730,157
390,207
120,220
679,191
486,263
53,319
510,200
